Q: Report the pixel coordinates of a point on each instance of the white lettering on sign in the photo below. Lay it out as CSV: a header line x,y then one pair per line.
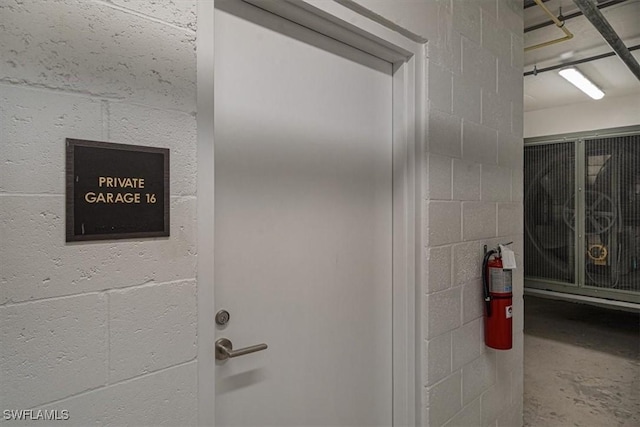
x,y
115,182
124,198
92,197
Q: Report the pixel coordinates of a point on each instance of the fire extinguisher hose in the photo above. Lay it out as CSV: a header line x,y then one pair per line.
x,y
485,280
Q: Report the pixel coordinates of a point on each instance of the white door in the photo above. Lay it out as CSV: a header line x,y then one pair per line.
x,y
303,225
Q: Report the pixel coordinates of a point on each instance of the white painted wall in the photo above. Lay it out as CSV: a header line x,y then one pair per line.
x,y
474,196
590,115
106,330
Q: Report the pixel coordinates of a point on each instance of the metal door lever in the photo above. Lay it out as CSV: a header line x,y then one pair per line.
x,y
224,349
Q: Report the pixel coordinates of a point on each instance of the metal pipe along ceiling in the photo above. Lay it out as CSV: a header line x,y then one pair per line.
x,y
567,34
571,15
537,71
531,3
598,20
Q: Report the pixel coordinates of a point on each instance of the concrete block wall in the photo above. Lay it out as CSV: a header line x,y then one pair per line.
x,y
105,330
473,196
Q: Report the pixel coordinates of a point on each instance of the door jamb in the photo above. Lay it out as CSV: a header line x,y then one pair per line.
x,y
205,207
408,58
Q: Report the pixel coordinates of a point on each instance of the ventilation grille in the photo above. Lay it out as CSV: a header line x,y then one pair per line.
x,y
605,212
612,213
549,222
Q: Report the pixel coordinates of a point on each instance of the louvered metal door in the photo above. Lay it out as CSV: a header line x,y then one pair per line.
x,y
582,216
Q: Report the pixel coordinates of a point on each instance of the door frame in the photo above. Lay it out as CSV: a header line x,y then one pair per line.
x,y
353,25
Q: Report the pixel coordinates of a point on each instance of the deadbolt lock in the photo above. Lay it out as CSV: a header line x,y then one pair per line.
x,y
222,317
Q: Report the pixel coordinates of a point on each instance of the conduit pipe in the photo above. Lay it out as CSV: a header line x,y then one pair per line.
x,y
601,24
565,18
530,3
567,33
576,62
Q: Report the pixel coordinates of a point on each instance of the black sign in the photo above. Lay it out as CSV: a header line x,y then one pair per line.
x,y
116,191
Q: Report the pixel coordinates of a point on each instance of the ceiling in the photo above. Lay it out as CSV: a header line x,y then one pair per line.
x,y
548,89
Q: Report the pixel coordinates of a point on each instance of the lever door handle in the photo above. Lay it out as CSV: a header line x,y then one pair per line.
x,y
224,349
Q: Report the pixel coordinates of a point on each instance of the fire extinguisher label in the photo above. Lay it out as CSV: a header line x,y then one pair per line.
x,y
509,311
500,280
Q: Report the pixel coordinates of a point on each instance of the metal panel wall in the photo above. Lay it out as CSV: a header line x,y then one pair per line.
x,y
582,216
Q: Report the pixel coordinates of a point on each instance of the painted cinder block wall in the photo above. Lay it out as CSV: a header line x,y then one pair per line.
x,y
473,197
609,112
108,330
105,330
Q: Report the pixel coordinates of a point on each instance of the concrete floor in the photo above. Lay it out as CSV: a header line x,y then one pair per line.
x,y
581,365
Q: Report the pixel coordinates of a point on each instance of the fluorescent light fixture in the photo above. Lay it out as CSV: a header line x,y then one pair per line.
x,y
577,79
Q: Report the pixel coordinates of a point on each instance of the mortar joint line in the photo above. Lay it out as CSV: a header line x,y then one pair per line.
x,y
144,16
108,296
125,381
106,118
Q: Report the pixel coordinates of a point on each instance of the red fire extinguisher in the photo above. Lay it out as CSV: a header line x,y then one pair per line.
x,y
498,297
